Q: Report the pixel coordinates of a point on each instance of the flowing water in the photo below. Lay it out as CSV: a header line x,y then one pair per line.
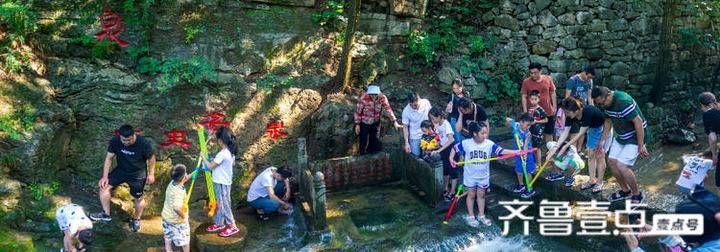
x,y
392,218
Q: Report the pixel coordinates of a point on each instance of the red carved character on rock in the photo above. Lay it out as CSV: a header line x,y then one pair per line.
x,y
112,25
175,137
214,120
274,130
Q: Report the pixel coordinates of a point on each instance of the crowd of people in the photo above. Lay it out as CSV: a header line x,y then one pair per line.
x,y
589,121
135,161
589,124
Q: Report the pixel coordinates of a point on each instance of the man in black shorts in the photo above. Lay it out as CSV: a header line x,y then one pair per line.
x,y
135,167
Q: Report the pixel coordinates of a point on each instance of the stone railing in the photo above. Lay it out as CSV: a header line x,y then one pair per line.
x,y
311,188
420,176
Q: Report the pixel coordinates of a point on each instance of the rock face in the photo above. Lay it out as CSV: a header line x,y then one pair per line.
x,y
9,194
409,8
447,75
332,129
41,147
304,3
681,136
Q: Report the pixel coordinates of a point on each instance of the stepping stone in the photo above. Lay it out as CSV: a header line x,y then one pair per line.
x,y
205,241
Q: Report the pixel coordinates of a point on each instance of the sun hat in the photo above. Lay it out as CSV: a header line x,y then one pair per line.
x,y
373,89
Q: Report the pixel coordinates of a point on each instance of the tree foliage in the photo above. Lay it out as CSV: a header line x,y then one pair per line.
x,y
17,24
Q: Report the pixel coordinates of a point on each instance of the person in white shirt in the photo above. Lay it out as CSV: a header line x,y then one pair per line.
x,y
76,226
442,127
476,176
222,166
412,116
264,191
694,172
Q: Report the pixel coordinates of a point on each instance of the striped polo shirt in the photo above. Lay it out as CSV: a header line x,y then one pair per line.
x,y
622,112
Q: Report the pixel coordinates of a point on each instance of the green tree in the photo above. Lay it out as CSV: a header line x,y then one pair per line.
x,y
342,78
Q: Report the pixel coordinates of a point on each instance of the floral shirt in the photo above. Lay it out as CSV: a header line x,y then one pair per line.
x,y
369,111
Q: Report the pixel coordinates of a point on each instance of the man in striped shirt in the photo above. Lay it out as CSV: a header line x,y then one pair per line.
x,y
368,111
623,114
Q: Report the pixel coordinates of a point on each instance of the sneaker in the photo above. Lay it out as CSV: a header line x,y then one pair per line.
x,y
260,217
569,181
485,220
214,228
598,187
637,199
471,221
288,211
449,197
527,195
619,195
555,177
135,225
587,185
519,189
229,231
100,216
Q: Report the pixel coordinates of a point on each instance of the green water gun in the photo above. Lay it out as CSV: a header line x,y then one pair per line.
x,y
212,204
452,205
522,158
193,177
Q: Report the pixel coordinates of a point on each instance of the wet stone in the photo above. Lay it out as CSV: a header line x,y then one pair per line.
x,y
373,218
213,242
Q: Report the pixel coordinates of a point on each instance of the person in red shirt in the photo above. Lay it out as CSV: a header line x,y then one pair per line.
x,y
368,111
548,97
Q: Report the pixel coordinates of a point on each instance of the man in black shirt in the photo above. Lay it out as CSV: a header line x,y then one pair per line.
x,y
469,112
135,166
711,122
591,121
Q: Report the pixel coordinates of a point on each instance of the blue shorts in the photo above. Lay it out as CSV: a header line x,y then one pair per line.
x,y
267,204
457,136
593,138
415,147
529,163
684,191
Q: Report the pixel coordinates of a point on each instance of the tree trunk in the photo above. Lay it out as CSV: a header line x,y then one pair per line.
x,y
663,66
342,78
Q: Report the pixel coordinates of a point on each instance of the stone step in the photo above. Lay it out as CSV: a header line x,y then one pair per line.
x,y
205,241
656,203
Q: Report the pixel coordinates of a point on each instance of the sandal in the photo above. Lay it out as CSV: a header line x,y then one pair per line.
x,y
471,221
597,188
229,231
214,228
587,185
484,220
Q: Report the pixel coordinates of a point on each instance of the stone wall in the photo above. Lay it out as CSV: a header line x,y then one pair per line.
x,y
623,39
689,69
620,38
